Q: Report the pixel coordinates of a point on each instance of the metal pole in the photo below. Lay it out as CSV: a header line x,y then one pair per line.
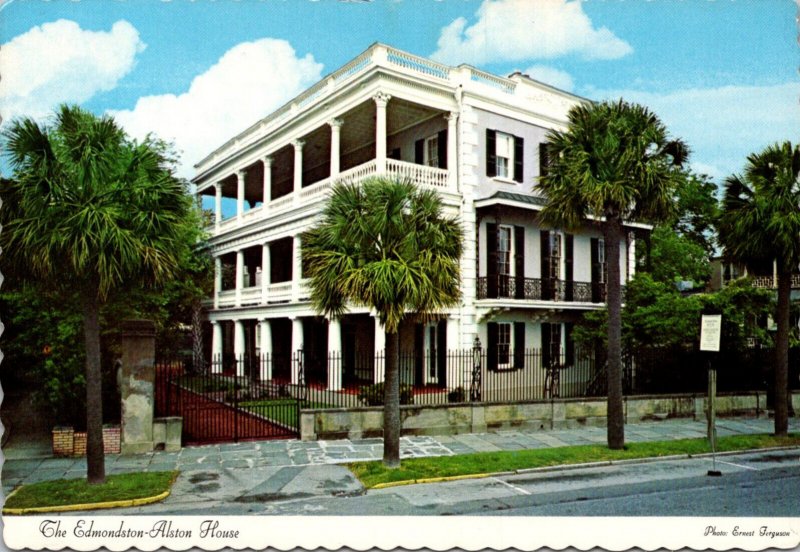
x,y
712,415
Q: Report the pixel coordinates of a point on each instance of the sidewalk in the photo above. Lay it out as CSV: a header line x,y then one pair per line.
x,y
224,478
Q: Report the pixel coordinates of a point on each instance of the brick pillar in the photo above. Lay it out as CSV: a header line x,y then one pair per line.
x,y
137,385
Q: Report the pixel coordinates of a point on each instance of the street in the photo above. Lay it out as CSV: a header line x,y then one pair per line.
x,y
764,484
757,484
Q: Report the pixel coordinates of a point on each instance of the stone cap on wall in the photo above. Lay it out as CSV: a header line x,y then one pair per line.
x,y
138,328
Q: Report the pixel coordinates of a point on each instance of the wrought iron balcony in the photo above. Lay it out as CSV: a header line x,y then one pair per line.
x,y
538,289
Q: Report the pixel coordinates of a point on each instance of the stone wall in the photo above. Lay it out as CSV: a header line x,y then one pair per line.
x,y
357,423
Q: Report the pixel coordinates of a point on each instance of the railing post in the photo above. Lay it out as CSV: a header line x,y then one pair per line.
x,y
476,385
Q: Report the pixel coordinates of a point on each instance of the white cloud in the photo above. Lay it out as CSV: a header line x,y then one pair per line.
x,y
61,63
511,30
722,125
552,76
248,82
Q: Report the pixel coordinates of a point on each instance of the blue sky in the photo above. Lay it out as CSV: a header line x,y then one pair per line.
x,y
722,74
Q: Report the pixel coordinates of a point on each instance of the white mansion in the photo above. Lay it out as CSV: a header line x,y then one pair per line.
x,y
477,139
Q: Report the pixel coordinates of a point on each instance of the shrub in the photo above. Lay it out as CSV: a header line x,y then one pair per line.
x,y
457,395
372,395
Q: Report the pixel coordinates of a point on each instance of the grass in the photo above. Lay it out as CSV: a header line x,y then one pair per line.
x,y
64,492
204,384
282,411
374,473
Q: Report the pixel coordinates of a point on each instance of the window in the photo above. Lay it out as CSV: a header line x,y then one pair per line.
x,y
504,149
504,252
503,345
504,154
432,151
555,256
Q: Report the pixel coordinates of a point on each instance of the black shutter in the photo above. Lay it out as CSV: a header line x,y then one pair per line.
x,y
519,152
545,345
547,285
519,345
491,260
419,152
595,256
419,353
491,153
569,344
544,158
441,351
568,255
442,148
491,350
519,261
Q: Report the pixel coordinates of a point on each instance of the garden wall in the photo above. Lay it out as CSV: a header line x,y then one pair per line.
x,y
357,423
68,442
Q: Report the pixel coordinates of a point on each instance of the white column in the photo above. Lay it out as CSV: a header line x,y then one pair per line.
x,y
298,165
454,377
334,355
240,194
265,272
267,180
452,151
379,373
238,346
217,280
297,346
265,369
216,346
297,268
336,128
239,276
217,205
381,100
631,255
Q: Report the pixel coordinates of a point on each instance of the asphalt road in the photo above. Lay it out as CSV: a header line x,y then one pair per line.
x,y
755,484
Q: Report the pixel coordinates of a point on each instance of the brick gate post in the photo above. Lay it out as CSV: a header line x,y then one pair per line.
x,y
137,385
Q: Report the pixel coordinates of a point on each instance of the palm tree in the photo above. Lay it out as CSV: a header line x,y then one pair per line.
x,y
384,244
614,163
91,210
760,221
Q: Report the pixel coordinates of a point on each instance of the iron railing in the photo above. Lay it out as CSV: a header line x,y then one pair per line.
x,y
539,289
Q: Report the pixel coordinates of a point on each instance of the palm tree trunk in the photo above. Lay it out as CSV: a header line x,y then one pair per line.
x,y
95,457
782,353
391,403
616,419
198,360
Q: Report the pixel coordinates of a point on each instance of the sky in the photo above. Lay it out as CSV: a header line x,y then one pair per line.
x,y
721,74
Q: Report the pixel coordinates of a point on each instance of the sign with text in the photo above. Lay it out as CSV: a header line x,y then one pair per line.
x,y
710,332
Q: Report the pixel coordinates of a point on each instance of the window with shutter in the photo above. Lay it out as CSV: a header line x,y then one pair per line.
x,y
518,158
519,345
519,261
568,254
491,153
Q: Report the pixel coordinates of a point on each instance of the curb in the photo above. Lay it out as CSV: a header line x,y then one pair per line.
x,y
91,506
568,467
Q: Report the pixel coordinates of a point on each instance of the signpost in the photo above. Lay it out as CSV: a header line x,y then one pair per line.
x,y
710,333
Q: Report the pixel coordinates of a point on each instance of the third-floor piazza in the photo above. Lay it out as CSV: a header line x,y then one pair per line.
x,y
385,112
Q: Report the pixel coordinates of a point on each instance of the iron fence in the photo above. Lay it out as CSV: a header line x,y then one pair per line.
x,y
432,377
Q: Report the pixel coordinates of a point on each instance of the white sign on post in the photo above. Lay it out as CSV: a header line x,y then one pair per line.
x,y
710,332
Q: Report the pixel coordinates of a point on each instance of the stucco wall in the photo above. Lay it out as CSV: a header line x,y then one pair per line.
x,y
559,414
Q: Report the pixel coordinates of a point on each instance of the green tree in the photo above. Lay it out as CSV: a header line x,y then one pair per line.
x,y
616,163
760,222
90,210
675,257
386,245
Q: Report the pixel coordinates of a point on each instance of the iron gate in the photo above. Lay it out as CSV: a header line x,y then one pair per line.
x,y
218,407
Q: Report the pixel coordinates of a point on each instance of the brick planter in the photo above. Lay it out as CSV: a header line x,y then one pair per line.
x,y
68,442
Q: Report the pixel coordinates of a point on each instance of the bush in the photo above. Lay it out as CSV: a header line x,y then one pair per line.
x,y
372,395
457,395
